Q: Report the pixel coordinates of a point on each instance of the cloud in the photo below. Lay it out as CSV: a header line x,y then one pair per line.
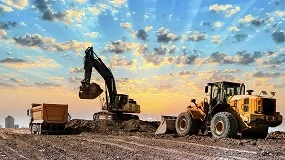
x,y
49,44
164,49
280,13
119,47
81,1
278,36
3,34
75,80
216,39
7,25
241,58
17,80
29,62
194,36
218,24
47,84
250,19
122,62
92,34
219,57
19,4
148,28
273,61
233,28
75,70
6,85
4,8
240,37
47,13
94,10
73,15
164,35
187,73
126,25
260,74
228,9
142,34
118,3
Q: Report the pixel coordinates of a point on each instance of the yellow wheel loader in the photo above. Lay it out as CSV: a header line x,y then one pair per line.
x,y
227,112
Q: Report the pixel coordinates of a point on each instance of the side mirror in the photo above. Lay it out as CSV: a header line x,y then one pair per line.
x,y
206,89
28,112
193,101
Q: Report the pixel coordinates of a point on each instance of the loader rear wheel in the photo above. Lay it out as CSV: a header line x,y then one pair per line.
x,y
185,124
224,125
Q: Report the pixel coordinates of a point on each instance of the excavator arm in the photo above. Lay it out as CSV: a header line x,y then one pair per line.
x,y
92,90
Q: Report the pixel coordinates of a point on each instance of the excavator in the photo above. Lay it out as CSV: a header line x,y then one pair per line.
x,y
117,106
229,111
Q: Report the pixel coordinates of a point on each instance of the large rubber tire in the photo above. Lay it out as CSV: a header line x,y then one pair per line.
x,y
224,125
185,124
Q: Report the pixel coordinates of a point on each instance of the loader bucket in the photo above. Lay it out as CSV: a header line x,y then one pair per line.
x,y
167,125
92,92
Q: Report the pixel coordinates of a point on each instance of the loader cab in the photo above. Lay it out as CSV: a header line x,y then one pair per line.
x,y
220,91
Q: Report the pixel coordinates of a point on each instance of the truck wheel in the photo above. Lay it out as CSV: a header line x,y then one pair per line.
x,y
185,124
224,125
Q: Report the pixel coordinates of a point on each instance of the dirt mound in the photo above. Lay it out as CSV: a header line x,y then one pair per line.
x,y
276,135
111,126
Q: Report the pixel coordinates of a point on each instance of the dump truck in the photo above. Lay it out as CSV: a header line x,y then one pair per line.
x,y
226,112
48,118
117,106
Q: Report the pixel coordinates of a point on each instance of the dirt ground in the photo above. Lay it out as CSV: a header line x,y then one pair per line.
x,y
133,139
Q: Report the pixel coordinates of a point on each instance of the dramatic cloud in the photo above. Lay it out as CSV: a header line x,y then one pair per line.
x,y
228,9
164,35
164,49
47,13
29,62
4,8
49,44
278,36
265,75
119,47
76,70
19,4
117,62
241,58
7,25
252,20
274,61
194,36
47,84
187,73
3,34
219,57
12,60
240,37
142,34
17,80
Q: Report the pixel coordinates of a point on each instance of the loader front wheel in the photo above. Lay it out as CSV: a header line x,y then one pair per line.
x,y
224,125
185,124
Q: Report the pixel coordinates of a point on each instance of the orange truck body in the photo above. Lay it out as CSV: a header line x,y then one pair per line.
x,y
48,117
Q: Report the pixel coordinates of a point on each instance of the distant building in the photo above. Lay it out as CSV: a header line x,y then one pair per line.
x,y
16,126
0,126
9,122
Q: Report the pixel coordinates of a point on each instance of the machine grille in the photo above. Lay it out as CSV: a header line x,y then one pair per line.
x,y
269,106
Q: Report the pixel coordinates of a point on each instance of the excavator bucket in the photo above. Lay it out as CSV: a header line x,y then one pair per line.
x,y
92,92
167,125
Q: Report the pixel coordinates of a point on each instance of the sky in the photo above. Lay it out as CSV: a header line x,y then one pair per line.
x,y
161,52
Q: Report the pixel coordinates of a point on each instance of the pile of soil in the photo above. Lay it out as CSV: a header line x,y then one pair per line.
x,y
111,126
276,135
